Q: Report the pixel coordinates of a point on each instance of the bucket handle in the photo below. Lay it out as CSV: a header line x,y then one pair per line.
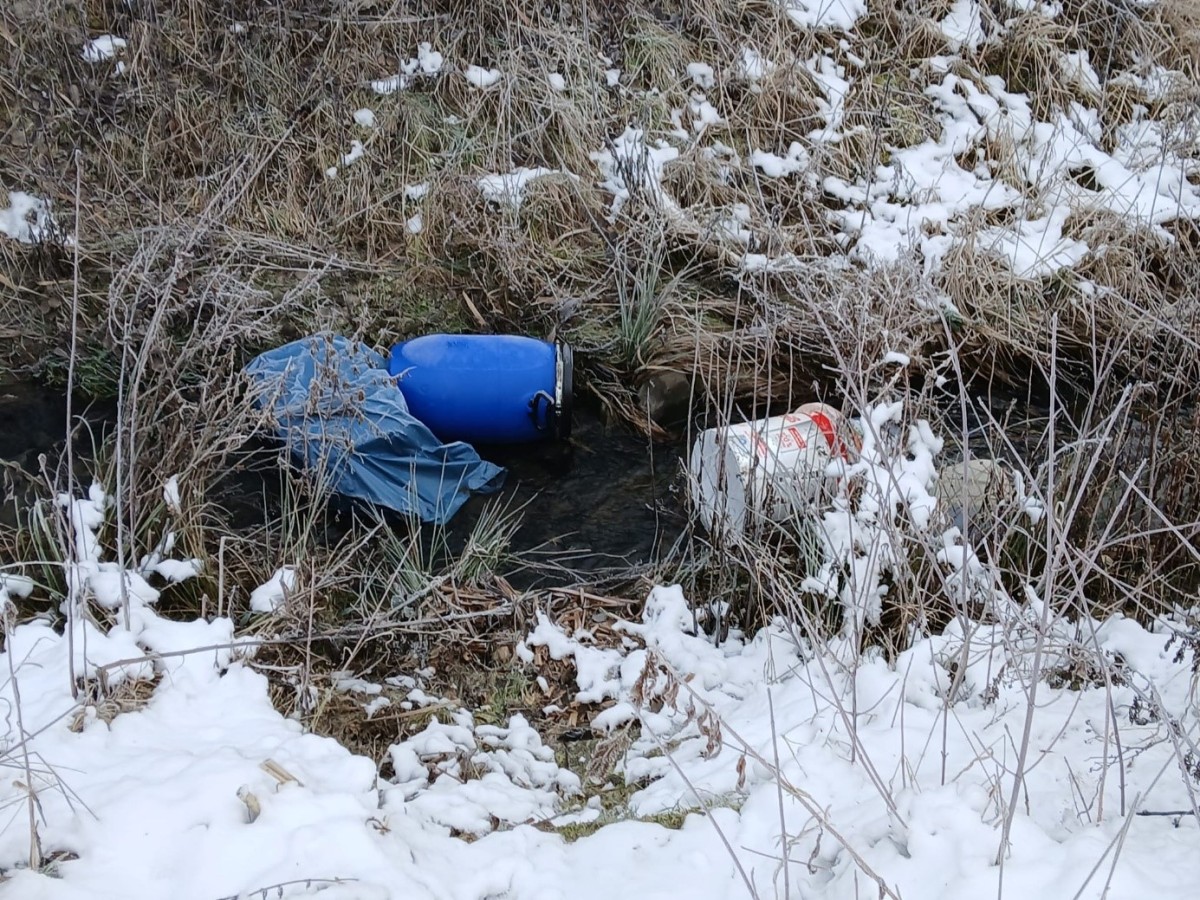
x,y
539,399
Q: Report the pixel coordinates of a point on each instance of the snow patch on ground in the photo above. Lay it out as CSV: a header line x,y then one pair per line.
x,y
427,63
27,218
101,48
509,189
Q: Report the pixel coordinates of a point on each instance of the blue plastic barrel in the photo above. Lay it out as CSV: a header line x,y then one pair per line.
x,y
486,389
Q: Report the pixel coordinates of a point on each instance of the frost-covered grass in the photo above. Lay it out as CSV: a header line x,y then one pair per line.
x,y
875,203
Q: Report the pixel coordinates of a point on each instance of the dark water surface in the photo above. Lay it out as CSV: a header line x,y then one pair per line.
x,y
607,499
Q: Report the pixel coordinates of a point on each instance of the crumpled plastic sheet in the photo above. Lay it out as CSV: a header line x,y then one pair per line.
x,y
340,414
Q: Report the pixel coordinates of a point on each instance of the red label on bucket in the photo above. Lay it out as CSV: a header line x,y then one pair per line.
x,y
826,427
791,439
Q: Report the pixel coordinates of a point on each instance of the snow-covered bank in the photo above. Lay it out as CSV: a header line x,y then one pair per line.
x,y
825,773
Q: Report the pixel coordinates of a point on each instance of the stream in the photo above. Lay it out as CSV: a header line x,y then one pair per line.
x,y
608,500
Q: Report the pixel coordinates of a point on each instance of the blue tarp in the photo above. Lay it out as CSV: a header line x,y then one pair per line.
x,y
339,413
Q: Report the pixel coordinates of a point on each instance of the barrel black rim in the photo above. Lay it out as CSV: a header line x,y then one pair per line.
x,y
562,415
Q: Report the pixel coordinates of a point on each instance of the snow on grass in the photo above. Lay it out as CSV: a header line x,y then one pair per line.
x,y
702,75
481,78
101,48
963,26
268,596
753,66
794,161
631,164
364,118
557,81
509,189
27,218
426,63
821,766
354,154
825,14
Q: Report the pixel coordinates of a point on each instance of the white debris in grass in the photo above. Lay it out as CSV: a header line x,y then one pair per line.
x,y
104,47
557,81
509,189
267,597
833,15
481,78
963,26
27,218
416,191
426,63
797,160
702,75
365,117
415,224
895,357
612,77
331,172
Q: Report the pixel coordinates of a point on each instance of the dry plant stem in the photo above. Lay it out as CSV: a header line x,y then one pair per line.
x,y
783,839
1044,622
70,427
35,846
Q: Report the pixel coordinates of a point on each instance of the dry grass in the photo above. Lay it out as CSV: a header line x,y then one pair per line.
x,y
209,229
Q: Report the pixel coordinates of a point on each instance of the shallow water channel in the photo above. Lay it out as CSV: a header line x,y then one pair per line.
x,y
605,501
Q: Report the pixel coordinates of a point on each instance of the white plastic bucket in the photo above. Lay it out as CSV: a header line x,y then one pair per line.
x,y
766,469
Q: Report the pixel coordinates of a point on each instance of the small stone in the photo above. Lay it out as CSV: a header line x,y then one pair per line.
x,y
666,397
982,484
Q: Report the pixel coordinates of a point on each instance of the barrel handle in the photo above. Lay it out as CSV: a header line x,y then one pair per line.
x,y
541,397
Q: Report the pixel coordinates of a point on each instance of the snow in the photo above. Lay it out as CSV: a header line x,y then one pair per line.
x,y
27,218
171,495
632,165
701,74
557,81
267,597
427,63
823,769
963,26
415,224
482,78
894,357
365,117
824,14
355,153
753,66
416,191
796,160
509,189
101,48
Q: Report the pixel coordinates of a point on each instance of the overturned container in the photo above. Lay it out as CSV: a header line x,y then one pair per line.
x,y
766,469
485,388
